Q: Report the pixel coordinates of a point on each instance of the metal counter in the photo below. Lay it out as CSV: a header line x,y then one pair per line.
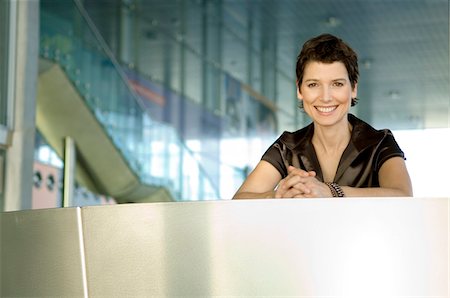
x,y
294,247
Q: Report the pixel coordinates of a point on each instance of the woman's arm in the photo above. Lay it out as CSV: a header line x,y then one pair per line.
x,y
394,182
260,183
393,177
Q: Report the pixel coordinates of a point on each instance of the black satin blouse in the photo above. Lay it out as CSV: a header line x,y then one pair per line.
x,y
360,162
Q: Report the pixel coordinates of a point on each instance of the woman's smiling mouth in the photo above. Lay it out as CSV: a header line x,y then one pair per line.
x,y
326,109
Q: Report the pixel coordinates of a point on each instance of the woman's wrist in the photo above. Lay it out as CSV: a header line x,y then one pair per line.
x,y
336,190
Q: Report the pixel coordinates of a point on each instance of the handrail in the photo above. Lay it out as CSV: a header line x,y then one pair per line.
x,y
106,49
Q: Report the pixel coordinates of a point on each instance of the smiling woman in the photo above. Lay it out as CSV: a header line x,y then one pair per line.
x,y
338,154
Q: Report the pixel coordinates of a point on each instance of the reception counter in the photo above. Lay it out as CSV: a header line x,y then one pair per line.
x,y
360,247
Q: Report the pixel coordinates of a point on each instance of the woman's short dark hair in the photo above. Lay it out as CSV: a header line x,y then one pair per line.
x,y
327,48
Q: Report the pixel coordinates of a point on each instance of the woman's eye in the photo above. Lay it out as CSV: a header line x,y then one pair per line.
x,y
338,84
310,85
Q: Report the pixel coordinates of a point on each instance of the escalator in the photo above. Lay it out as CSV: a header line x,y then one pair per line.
x,y
101,167
121,151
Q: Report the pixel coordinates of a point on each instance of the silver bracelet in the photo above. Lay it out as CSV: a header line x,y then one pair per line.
x,y
336,190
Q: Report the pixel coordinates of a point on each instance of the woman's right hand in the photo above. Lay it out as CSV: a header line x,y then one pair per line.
x,y
293,185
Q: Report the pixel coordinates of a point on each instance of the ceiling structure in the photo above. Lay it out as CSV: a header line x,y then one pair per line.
x,y
403,48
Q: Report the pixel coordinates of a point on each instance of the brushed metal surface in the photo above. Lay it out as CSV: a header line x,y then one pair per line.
x,y
40,254
318,247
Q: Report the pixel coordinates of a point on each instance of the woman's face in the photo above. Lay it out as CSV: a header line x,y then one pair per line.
x,y
326,92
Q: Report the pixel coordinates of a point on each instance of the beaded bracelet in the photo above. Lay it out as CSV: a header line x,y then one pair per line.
x,y
336,190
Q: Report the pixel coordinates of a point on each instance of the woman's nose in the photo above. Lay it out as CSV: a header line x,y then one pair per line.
x,y
326,94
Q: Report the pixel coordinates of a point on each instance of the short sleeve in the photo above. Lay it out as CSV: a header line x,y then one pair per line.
x,y
388,148
273,156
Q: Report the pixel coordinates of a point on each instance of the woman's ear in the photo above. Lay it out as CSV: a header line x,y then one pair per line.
x,y
355,91
299,95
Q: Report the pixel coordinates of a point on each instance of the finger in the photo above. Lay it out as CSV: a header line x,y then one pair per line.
x,y
303,188
284,184
305,196
290,193
294,181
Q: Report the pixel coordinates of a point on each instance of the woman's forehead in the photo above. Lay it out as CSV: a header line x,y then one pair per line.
x,y
325,69
316,66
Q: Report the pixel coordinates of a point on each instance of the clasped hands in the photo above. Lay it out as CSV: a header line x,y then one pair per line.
x,y
301,184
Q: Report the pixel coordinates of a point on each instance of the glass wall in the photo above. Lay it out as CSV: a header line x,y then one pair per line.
x,y
221,74
203,53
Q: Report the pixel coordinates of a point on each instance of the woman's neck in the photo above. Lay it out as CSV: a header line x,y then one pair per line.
x,y
332,139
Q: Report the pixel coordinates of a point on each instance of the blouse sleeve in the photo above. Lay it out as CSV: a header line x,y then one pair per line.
x,y
273,156
388,148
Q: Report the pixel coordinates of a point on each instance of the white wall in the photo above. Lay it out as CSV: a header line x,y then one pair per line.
x,y
428,160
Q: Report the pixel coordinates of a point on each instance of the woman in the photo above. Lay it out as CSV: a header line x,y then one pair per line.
x,y
338,154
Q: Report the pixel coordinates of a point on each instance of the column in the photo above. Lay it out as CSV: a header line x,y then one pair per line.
x,y
24,53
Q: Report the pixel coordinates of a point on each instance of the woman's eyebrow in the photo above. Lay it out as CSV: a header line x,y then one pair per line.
x,y
333,80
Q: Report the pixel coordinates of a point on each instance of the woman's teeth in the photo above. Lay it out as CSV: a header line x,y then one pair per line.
x,y
326,109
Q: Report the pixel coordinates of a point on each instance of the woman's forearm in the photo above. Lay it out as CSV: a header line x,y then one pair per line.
x,y
376,192
254,195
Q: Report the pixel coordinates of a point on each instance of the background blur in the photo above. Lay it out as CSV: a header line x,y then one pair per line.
x,y
172,100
